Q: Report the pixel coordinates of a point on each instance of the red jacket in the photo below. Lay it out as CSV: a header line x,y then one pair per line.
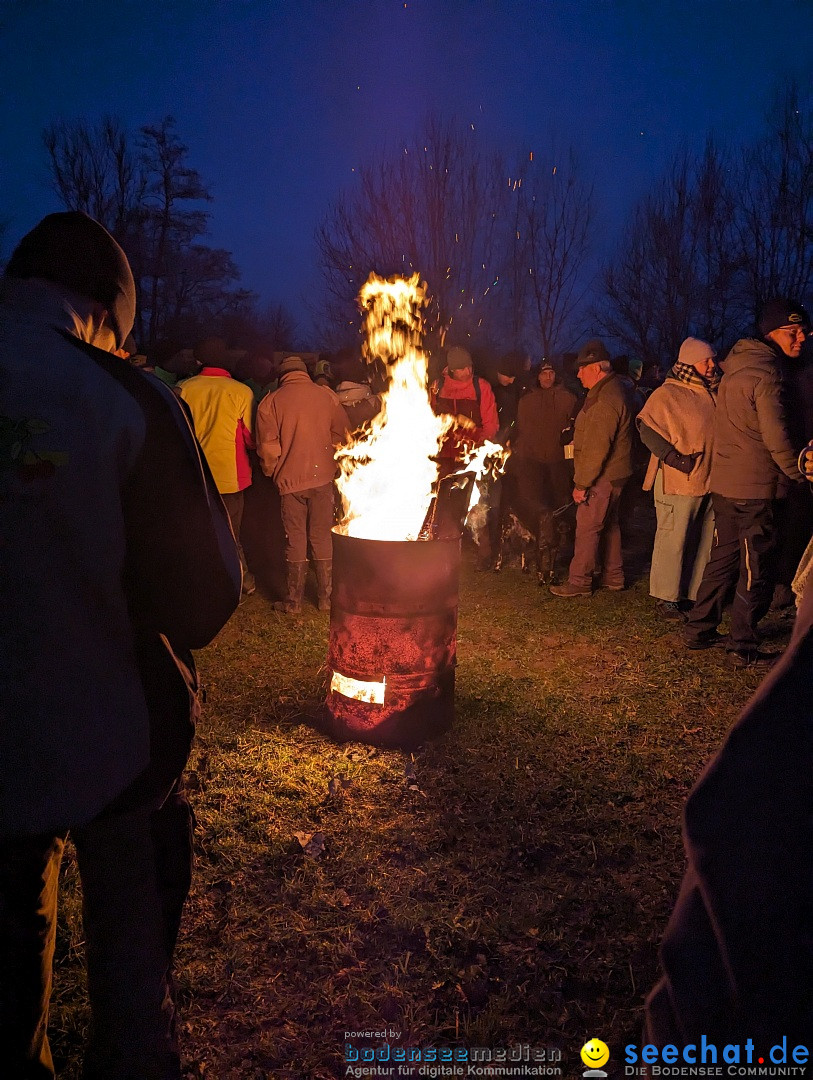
x,y
460,398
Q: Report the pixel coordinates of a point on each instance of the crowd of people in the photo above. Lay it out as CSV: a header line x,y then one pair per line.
x,y
121,511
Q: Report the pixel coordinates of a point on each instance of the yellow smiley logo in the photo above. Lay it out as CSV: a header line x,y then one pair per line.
x,y
595,1053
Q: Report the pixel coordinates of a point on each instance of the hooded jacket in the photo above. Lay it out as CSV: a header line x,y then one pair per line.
x,y
117,559
753,452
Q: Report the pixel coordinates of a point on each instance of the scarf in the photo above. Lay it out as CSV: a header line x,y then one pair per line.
x,y
688,373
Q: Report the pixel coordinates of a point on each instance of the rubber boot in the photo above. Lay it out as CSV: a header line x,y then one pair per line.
x,y
324,583
292,605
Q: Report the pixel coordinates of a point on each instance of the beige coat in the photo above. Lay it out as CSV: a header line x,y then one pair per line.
x,y
683,414
297,430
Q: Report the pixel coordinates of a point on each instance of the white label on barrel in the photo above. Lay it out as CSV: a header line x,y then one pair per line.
x,y
361,691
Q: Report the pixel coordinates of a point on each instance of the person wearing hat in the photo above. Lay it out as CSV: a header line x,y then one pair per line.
x,y
460,393
117,561
544,417
509,384
676,425
752,463
602,458
299,426
223,413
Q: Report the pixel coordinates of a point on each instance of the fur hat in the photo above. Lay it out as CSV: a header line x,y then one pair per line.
x,y
782,312
73,250
292,363
695,351
592,353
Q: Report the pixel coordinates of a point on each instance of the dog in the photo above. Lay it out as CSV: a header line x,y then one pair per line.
x,y
536,548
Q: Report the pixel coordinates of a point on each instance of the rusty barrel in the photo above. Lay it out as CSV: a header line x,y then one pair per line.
x,y
393,639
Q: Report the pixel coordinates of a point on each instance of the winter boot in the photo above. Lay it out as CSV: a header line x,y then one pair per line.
x,y
292,605
324,583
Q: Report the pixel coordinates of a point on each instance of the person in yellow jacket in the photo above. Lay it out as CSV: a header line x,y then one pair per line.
x,y
223,413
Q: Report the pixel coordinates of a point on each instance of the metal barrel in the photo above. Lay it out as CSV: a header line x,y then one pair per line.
x,y
393,639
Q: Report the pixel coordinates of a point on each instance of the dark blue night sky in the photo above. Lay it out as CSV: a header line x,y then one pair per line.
x,y
279,101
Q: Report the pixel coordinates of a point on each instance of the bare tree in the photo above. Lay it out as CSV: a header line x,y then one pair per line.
x,y
439,207
95,168
558,215
150,198
171,225
677,269
776,204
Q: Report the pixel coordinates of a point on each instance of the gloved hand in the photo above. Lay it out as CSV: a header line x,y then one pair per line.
x,y
682,462
806,462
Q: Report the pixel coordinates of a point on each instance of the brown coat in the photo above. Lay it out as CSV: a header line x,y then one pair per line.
x,y
753,452
542,416
602,440
297,430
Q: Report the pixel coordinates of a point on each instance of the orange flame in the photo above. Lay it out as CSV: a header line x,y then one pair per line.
x,y
388,474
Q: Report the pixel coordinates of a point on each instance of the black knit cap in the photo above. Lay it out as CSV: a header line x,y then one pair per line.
x,y
782,311
73,250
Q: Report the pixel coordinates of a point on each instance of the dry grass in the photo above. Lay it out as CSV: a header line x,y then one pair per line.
x,y
507,883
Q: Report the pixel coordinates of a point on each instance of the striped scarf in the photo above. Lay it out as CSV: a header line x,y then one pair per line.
x,y
688,373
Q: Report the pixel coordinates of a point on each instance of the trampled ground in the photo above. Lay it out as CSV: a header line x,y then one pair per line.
x,y
507,884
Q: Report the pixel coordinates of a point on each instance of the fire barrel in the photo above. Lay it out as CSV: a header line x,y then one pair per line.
x,y
393,639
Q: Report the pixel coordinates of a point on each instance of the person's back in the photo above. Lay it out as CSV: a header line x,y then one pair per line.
x,y
223,411
117,560
303,421
298,427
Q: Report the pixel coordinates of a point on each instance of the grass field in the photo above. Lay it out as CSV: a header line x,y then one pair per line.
x,y
508,883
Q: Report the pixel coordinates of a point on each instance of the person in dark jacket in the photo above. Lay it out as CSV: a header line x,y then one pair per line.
x,y
602,453
736,957
752,462
118,560
544,478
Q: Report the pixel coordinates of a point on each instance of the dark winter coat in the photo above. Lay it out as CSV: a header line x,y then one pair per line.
x,y
753,452
736,956
117,559
542,416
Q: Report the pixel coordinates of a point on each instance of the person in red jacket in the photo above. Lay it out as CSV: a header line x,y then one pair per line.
x,y
460,393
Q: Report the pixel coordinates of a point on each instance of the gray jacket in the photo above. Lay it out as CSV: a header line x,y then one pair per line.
x,y
753,452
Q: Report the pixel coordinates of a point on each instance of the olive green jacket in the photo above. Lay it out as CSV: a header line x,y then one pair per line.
x,y
602,440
